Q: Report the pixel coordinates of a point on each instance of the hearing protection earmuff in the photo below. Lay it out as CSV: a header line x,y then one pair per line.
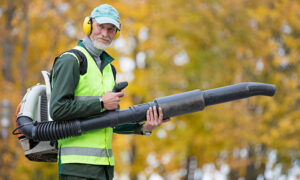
x,y
88,27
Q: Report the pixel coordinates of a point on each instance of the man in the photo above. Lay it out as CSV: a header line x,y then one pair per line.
x,y
82,81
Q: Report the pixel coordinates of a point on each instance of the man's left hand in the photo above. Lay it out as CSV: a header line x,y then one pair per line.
x,y
153,119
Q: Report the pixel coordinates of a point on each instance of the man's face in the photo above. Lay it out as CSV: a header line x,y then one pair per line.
x,y
102,35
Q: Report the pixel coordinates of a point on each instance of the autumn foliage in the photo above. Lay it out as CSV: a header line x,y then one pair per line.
x,y
168,47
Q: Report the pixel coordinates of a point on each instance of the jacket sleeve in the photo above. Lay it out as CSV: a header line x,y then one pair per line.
x,y
63,106
129,128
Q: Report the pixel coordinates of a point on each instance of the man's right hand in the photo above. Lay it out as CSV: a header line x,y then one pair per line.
x,y
111,100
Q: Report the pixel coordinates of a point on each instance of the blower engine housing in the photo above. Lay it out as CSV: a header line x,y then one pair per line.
x,y
37,98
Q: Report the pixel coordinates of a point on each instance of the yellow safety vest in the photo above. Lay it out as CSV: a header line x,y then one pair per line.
x,y
95,146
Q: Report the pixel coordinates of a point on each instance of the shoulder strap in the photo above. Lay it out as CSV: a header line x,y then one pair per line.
x,y
80,57
114,71
82,60
83,63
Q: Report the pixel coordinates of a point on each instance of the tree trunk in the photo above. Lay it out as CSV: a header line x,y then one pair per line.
x,y
133,175
250,169
191,167
24,53
8,44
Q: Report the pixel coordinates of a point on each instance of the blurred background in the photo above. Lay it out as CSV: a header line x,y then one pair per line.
x,y
168,47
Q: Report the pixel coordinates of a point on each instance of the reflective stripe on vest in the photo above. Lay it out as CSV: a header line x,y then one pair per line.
x,y
86,151
85,98
95,146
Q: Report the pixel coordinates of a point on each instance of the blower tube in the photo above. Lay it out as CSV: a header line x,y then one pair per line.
x,y
174,105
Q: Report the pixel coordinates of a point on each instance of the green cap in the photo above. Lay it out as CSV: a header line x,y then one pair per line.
x,y
106,14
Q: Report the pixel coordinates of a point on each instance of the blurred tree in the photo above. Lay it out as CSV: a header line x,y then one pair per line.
x,y
8,41
207,44
24,53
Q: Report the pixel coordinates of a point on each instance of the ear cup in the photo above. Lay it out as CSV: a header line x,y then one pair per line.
x,y
117,34
87,25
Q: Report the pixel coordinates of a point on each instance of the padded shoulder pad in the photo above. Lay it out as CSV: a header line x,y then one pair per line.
x,y
82,60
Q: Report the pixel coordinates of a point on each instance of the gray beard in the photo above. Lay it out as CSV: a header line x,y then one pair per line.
x,y
100,46
90,47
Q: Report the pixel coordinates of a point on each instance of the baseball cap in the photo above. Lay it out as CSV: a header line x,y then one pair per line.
x,y
106,14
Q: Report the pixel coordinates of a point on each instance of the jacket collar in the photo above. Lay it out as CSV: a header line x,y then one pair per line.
x,y
104,55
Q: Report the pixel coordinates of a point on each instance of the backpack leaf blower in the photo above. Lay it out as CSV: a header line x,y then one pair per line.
x,y
38,132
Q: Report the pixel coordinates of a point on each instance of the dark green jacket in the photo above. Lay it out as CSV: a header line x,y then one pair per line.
x,y
62,104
